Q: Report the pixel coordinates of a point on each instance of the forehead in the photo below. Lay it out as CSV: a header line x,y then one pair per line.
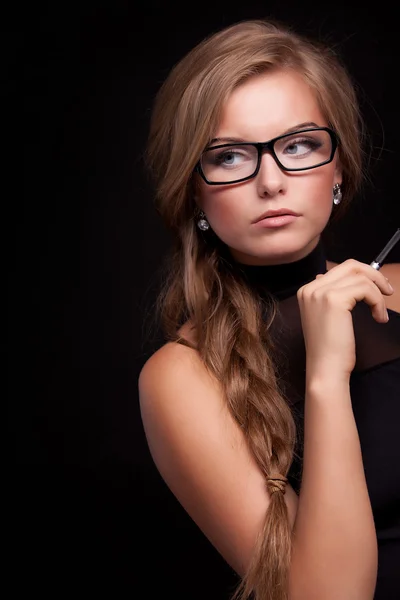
x,y
266,105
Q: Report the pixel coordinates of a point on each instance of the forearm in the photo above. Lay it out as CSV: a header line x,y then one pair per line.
x,y
334,545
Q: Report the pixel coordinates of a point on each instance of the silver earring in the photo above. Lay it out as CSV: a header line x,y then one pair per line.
x,y
337,194
202,223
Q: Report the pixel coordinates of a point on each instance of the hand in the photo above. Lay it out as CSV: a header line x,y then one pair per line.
x,y
325,308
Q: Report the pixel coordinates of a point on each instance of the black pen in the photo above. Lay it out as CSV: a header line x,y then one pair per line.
x,y
377,263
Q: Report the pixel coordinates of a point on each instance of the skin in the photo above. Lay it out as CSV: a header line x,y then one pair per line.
x,y
199,449
260,109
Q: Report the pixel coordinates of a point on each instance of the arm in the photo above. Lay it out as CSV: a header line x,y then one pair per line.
x,y
335,546
201,453
203,457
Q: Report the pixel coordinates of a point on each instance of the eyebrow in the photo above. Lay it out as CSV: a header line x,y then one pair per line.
x,y
297,127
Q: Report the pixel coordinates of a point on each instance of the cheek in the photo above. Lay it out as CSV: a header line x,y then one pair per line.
x,y
224,208
318,194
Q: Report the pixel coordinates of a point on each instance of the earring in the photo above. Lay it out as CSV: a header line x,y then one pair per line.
x,y
337,194
202,223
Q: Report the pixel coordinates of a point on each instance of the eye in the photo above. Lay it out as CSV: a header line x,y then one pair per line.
x,y
228,157
301,147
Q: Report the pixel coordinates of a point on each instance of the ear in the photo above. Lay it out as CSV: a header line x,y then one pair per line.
x,y
338,175
197,201
195,190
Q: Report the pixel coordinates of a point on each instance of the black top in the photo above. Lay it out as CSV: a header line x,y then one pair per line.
x,y
375,395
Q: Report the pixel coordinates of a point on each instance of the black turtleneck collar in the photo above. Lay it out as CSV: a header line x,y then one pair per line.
x,y
284,280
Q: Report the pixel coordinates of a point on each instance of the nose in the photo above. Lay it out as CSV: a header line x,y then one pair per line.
x,y
270,178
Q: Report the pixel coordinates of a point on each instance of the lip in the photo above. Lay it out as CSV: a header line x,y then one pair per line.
x,y
277,221
276,213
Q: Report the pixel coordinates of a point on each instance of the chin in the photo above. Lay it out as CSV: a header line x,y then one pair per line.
x,y
274,254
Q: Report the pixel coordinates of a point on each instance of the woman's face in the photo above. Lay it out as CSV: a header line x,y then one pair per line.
x,y
265,107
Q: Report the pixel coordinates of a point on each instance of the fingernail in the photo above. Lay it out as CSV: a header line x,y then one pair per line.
x,y
391,289
387,316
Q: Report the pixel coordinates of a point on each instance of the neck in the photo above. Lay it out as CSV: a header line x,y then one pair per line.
x,y
283,280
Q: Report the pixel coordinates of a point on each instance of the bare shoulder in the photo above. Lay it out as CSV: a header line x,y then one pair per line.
x,y
202,454
330,265
169,362
392,272
172,359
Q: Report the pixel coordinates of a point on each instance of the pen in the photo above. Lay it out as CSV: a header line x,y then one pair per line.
x,y
377,263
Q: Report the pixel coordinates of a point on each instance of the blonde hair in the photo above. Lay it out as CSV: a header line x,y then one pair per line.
x,y
231,322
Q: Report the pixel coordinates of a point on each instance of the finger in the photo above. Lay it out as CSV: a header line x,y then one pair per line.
x,y
354,266
348,291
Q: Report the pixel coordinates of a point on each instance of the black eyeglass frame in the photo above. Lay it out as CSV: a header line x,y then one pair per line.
x,y
262,147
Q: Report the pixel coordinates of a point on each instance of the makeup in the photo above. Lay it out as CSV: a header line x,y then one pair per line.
x,y
377,263
272,222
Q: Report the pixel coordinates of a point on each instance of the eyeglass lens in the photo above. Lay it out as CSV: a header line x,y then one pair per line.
x,y
301,150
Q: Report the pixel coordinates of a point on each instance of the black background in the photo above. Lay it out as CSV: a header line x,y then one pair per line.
x,y
88,510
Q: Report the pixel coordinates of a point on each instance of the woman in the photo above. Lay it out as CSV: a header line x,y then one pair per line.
x,y
272,409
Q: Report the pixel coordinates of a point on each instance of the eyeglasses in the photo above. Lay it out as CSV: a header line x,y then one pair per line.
x,y
297,151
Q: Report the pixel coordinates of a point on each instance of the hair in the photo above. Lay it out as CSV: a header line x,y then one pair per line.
x,y
230,320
